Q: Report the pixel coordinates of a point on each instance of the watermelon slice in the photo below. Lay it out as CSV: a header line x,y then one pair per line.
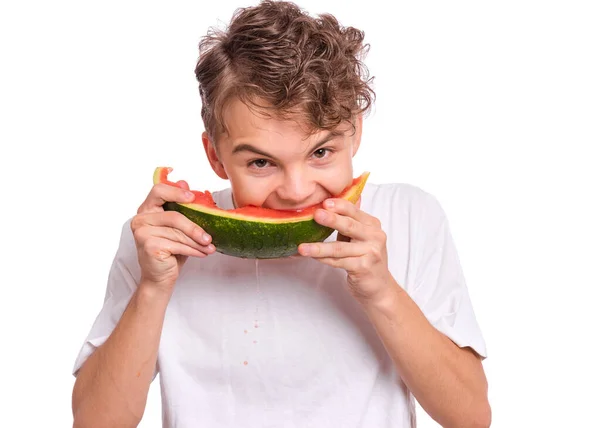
x,y
256,232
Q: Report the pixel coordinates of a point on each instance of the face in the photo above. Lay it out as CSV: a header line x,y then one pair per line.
x,y
275,164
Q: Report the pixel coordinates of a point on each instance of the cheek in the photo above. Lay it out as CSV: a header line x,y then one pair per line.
x,y
248,191
336,181
245,192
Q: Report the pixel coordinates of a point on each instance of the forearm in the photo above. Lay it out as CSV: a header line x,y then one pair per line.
x,y
448,381
112,386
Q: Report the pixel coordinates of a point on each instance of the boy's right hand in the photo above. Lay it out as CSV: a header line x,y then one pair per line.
x,y
164,239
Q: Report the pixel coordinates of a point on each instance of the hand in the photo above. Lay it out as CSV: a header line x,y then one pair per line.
x,y
360,248
164,240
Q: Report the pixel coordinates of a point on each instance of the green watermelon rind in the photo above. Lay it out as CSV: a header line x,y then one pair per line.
x,y
253,239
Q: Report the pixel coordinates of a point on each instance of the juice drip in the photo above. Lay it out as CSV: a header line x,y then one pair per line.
x,y
257,294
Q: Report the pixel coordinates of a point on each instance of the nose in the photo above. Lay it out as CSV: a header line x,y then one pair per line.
x,y
296,189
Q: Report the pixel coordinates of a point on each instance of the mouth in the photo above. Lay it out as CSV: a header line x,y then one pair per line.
x,y
294,209
291,210
280,205
286,209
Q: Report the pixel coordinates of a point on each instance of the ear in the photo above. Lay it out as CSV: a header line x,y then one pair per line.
x,y
356,138
213,156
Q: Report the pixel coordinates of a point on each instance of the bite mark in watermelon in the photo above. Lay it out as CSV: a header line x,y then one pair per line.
x,y
256,232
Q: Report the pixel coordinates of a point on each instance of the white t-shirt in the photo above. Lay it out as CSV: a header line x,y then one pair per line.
x,y
282,343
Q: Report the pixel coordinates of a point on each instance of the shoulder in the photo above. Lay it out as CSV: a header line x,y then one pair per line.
x,y
401,201
223,198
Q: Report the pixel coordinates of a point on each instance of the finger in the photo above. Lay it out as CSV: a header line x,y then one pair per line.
x,y
162,193
334,249
183,185
348,264
177,221
345,225
171,234
347,208
161,249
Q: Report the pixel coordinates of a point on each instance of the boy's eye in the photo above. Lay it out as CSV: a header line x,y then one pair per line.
x,y
320,153
260,163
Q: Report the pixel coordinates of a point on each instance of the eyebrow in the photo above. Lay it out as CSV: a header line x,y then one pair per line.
x,y
245,147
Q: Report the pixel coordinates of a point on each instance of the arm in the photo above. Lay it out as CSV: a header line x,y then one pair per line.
x,y
112,386
448,381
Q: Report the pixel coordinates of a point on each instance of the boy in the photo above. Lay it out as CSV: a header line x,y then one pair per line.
x,y
345,333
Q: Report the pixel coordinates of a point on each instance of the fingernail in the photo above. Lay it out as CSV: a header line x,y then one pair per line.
x,y
189,195
206,237
329,203
305,249
211,247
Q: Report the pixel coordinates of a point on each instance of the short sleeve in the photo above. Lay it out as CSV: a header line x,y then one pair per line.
x,y
438,286
123,278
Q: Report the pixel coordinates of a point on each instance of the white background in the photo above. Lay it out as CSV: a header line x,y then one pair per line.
x,y
494,107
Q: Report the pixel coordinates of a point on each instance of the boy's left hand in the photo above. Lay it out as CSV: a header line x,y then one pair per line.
x,y
360,248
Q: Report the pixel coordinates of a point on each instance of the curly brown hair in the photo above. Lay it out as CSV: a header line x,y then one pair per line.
x,y
277,58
